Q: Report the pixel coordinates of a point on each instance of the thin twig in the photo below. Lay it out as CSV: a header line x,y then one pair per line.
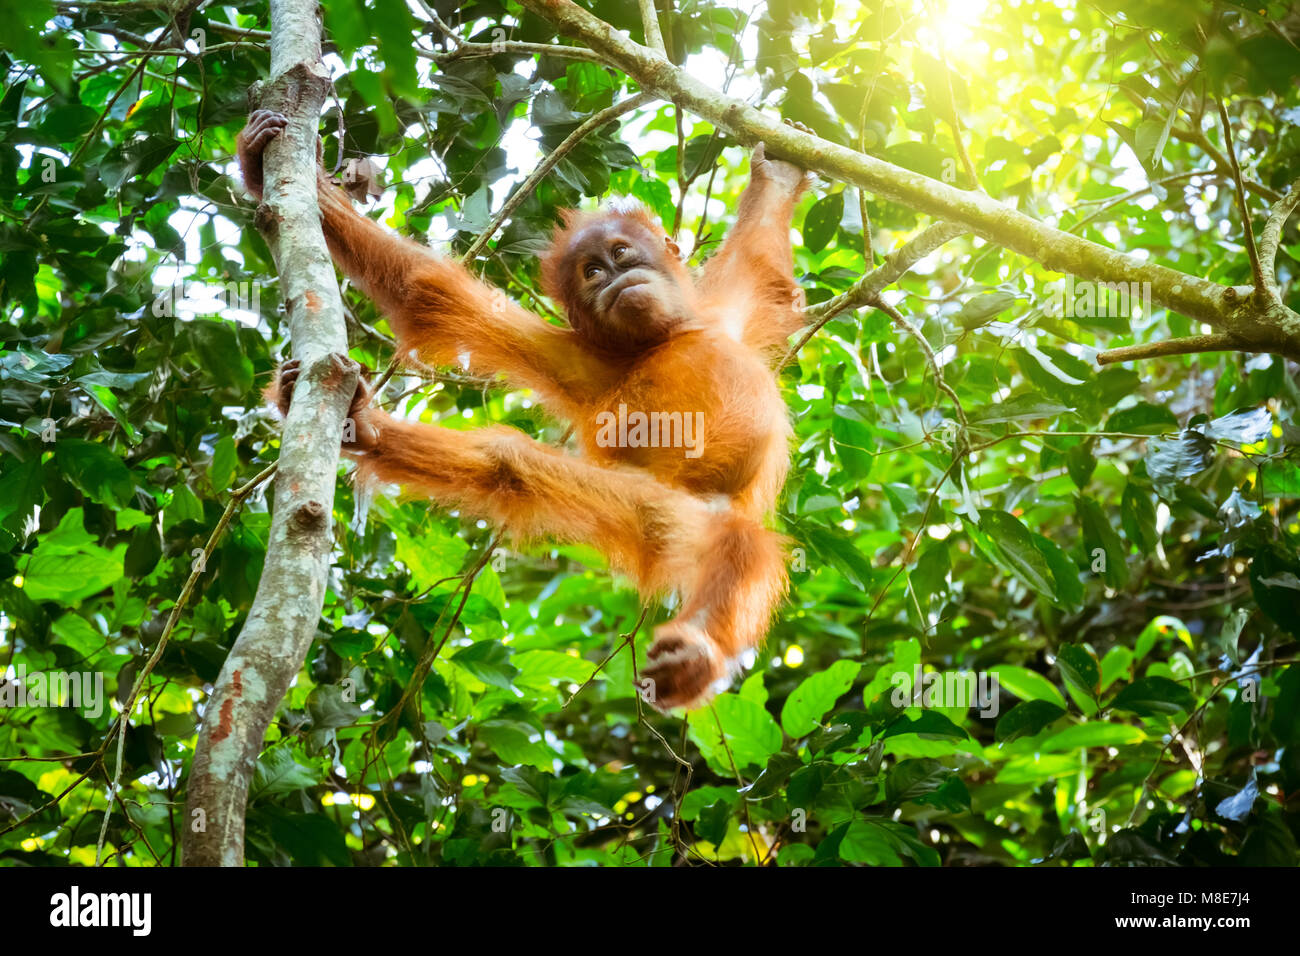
x,y
954,120
682,183
588,126
900,321
866,289
1177,735
868,245
1202,142
1256,271
740,783
654,39
425,663
236,498
627,639
200,565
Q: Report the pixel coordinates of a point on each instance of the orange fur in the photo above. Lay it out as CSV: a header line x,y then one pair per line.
x,y
693,526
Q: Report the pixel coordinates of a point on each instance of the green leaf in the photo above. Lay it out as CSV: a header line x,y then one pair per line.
x,y
277,772
1117,662
1093,734
184,506
751,735
1037,768
330,710
394,27
217,349
877,842
853,441
1026,719
1285,726
1246,426
52,54
68,567
134,159
1015,545
1027,684
822,220
1138,516
541,668
76,632
531,782
433,556
1080,464
33,366
865,842
912,779
1157,628
1142,418
1020,409
1152,696
516,742
311,839
1080,669
1150,137
1274,573
930,725
1065,575
224,462
931,570
711,824
1104,547
20,487
489,661
984,308
347,22
1169,460
774,776
836,548
815,695
95,471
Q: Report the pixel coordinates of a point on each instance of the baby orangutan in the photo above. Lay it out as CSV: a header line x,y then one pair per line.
x,y
669,384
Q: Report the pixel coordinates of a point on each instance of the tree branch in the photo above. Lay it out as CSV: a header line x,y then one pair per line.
x,y
466,50
286,611
1261,324
1271,237
1218,342
463,49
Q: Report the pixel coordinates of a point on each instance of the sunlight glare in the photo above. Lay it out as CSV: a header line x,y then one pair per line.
x,y
950,24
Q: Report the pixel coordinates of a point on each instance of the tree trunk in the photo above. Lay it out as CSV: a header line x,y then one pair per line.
x,y
283,619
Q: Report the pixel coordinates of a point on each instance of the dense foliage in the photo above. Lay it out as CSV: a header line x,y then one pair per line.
x,y
1117,546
